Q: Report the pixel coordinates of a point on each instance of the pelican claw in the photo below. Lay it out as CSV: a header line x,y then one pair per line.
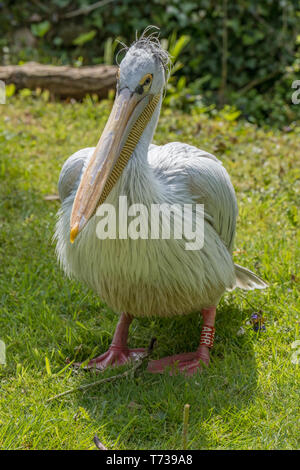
x,y
114,357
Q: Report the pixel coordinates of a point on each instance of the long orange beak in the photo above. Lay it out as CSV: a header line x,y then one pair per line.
x,y
102,162
126,123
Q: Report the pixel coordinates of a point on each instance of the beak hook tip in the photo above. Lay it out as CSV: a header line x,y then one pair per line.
x,y
74,232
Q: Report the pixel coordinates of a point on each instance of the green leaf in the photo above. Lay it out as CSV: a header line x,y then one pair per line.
x,y
108,52
25,92
84,38
81,325
48,368
232,116
181,84
179,45
10,90
40,29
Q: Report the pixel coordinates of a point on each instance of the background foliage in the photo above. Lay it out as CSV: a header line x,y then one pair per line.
x,y
245,53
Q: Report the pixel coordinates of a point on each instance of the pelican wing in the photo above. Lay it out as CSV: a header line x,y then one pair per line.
x,y
71,171
211,185
202,176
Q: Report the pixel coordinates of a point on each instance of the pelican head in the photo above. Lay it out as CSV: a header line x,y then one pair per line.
x,y
140,82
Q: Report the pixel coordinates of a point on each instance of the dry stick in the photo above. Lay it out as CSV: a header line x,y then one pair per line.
x,y
98,443
132,370
51,197
186,411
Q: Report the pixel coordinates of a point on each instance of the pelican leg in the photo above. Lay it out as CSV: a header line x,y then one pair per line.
x,y
190,363
118,352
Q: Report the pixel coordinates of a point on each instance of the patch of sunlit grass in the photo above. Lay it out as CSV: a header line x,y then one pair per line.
x,y
247,398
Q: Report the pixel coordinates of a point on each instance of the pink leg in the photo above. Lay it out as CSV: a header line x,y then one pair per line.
x,y
118,352
190,363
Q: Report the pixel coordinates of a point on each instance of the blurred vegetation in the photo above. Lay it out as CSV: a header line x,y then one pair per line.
x,y
243,54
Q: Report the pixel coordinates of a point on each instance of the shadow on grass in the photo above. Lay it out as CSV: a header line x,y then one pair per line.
x,y
140,412
146,411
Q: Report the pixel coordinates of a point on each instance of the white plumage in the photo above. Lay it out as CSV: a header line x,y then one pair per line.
x,y
156,277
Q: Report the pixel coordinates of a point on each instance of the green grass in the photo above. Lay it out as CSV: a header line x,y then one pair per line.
x,y
248,397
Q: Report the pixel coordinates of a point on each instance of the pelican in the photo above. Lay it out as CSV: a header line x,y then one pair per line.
x,y
144,277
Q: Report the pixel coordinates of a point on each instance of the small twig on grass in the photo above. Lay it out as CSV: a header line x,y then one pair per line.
x,y
98,443
128,372
186,412
51,197
255,308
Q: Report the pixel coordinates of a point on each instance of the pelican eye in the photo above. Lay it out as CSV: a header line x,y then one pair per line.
x,y
144,84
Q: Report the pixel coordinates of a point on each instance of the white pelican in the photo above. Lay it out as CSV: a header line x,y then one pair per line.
x,y
148,277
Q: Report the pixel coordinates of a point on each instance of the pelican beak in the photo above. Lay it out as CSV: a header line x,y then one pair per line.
x,y
129,116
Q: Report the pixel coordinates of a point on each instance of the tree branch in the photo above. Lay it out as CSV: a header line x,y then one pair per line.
x,y
87,9
259,81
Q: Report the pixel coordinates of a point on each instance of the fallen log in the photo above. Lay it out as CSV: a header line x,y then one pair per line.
x,y
61,81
